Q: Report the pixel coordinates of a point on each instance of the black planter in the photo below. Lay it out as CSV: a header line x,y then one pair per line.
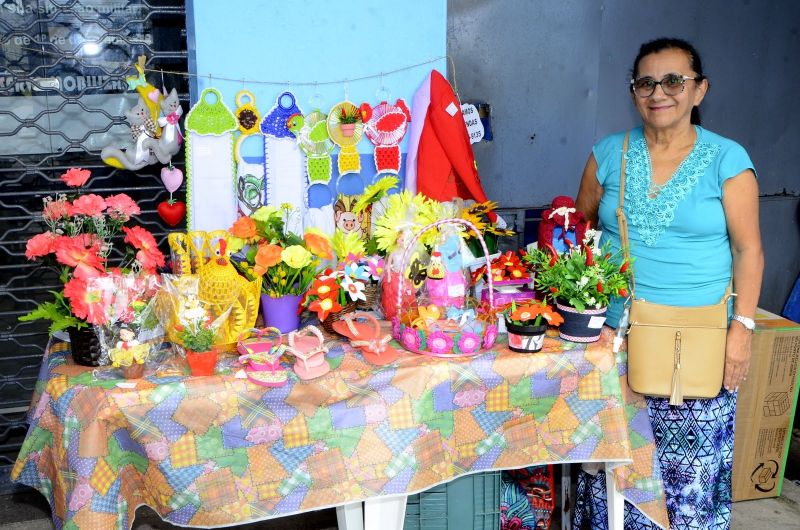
x,y
525,339
84,346
581,326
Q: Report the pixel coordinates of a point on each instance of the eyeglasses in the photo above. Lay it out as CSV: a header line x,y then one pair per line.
x,y
671,84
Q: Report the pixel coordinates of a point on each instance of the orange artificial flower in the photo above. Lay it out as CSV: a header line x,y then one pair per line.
x,y
553,318
318,244
327,288
323,307
244,228
527,312
267,256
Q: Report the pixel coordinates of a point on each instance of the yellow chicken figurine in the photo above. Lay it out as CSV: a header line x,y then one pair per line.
x,y
222,288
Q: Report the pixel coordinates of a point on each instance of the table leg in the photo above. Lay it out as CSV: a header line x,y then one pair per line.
x,y
350,516
616,502
566,499
384,513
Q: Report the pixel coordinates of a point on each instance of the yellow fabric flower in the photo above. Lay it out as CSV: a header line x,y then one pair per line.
x,y
346,243
407,212
296,256
375,192
264,213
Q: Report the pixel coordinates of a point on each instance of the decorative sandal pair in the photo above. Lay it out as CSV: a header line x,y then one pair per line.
x,y
261,355
366,336
307,346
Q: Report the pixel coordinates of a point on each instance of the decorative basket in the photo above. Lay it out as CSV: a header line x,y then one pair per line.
x,y
327,324
458,342
372,302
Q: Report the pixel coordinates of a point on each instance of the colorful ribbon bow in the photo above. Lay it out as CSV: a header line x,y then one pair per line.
x,y
373,345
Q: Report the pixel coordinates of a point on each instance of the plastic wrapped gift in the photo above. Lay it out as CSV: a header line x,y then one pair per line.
x,y
442,319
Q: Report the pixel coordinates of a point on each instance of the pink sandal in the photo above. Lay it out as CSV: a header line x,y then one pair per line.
x,y
307,346
367,337
262,358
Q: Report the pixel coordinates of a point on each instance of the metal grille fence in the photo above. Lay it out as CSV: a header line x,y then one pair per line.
x,y
62,99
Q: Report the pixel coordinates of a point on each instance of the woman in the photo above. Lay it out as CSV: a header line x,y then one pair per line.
x,y
691,201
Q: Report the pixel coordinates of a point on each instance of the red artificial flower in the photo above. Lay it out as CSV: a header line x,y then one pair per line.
x,y
518,272
88,302
327,288
599,287
121,206
323,307
148,255
589,256
624,267
89,205
623,292
76,177
150,261
73,253
40,245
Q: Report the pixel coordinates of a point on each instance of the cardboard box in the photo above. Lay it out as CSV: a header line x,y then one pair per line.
x,y
765,409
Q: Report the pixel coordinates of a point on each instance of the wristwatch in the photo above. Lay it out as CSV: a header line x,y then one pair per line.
x,y
747,322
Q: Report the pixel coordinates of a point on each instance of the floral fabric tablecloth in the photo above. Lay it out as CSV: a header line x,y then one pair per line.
x,y
207,451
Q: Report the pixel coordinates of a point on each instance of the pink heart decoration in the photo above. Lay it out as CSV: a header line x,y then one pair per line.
x,y
154,95
172,178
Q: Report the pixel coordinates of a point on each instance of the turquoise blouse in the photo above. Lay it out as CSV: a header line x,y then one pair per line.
x,y
679,239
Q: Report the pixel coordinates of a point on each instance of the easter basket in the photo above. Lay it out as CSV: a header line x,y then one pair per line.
x,y
423,329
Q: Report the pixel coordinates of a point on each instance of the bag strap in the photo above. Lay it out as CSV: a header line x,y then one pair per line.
x,y
622,222
623,226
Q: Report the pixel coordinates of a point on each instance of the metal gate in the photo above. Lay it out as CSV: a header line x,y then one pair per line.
x,y
62,99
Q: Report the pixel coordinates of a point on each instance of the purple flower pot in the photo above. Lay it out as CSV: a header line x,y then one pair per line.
x,y
281,312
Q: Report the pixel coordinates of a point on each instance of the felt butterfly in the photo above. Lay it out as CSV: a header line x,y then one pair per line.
x,y
417,272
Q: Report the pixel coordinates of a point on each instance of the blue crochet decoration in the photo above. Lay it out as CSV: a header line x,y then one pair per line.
x,y
274,123
652,216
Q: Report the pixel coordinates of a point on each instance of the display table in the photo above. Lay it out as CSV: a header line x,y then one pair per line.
x,y
213,451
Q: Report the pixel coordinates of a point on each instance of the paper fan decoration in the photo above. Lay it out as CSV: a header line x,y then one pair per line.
x,y
385,127
345,128
311,132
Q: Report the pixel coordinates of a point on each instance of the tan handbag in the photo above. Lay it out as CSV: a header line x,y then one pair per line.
x,y
675,352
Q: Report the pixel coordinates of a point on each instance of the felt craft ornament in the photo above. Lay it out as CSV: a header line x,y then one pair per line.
x,y
171,211
311,132
346,128
136,155
169,142
247,115
210,170
385,125
562,226
249,180
284,167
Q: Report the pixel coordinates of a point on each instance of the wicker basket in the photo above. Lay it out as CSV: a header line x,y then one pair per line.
x,y
372,303
327,324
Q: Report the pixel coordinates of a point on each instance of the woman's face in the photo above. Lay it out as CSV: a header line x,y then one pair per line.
x,y
660,111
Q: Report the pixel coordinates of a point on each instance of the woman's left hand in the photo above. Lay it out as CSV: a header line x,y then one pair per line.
x,y
737,356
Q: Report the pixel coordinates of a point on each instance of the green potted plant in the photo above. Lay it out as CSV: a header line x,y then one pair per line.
x,y
581,281
527,323
197,333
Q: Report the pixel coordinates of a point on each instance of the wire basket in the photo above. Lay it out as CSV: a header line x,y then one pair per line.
x,y
457,341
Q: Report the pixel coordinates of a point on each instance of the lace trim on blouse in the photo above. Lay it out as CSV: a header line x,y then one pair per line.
x,y
652,216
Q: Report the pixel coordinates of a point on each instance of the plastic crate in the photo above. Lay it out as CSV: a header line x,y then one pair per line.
x,y
470,502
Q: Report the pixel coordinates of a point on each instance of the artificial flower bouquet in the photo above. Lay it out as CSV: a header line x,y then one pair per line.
x,y
511,276
584,276
288,263
81,240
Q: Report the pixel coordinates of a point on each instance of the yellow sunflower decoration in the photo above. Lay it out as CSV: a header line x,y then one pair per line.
x,y
406,212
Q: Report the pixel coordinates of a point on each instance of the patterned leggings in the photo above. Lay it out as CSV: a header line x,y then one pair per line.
x,y
694,444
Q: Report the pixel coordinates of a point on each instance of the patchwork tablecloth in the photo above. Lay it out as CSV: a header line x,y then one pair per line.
x,y
206,451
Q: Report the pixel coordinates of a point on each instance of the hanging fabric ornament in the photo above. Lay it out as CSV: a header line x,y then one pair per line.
x,y
169,143
385,125
284,168
249,180
210,172
345,128
246,112
311,132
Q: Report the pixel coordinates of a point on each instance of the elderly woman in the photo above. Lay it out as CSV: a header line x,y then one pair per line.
x,y
691,201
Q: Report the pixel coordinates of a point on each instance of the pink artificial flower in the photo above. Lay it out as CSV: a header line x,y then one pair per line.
x,y
489,336
375,267
121,206
72,253
55,210
40,245
149,257
410,339
440,342
469,343
88,302
76,177
150,260
89,205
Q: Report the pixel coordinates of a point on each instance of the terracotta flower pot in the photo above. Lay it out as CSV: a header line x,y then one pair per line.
x,y
134,371
525,339
348,129
201,363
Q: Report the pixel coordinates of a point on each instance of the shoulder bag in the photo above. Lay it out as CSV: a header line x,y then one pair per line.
x,y
675,352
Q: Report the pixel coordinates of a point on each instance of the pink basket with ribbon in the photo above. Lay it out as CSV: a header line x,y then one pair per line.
x,y
422,330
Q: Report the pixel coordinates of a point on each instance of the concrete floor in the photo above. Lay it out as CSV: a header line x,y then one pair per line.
x,y
29,511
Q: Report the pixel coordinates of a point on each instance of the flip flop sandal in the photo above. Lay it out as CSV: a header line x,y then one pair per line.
x,y
366,337
267,378
307,346
255,349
